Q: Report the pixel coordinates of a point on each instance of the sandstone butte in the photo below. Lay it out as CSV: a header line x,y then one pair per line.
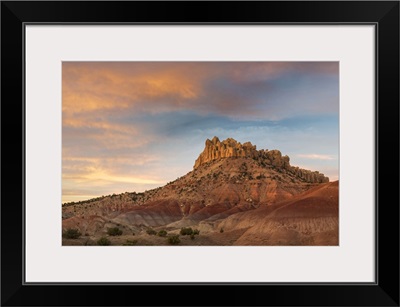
x,y
230,148
255,196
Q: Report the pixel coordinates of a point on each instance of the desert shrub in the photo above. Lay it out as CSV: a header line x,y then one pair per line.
x,y
114,231
103,241
71,233
130,243
173,240
162,233
196,232
186,231
151,231
192,236
221,230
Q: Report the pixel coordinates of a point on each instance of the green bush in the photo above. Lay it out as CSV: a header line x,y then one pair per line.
x,y
151,231
114,231
71,233
186,231
173,240
162,233
103,241
196,232
130,242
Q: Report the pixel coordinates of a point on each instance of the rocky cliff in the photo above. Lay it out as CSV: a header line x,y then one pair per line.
x,y
235,195
230,148
215,149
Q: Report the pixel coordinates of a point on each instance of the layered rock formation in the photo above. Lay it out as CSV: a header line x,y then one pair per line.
x,y
309,218
235,195
215,149
230,148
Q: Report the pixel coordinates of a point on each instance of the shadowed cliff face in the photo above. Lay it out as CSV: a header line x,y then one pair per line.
x,y
230,148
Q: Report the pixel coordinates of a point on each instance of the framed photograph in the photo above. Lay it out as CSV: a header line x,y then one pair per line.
x,y
247,150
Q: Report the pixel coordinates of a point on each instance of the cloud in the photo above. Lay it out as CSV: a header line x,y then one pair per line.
x,y
317,156
227,88
103,176
129,126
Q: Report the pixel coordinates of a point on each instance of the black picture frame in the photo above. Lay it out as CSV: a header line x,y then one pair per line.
x,y
383,14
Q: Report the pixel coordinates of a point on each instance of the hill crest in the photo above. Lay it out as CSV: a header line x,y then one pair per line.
x,y
230,148
235,195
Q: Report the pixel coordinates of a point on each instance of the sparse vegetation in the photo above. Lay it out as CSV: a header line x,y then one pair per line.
x,y
114,231
103,241
173,240
72,233
162,233
189,232
130,243
151,232
133,196
186,231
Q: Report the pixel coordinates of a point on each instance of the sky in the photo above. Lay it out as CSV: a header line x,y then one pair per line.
x,y
134,126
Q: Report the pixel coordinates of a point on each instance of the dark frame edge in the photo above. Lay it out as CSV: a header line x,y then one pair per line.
x,y
388,293
8,85
388,90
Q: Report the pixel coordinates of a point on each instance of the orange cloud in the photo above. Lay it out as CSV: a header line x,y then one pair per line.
x,y
97,86
167,86
102,176
103,146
